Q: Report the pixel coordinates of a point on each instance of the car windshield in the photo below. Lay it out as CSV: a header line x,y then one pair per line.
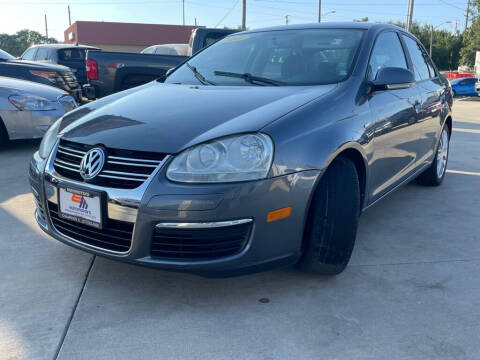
x,y
287,57
5,56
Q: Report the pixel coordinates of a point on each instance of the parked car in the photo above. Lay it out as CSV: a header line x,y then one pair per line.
x,y
477,87
167,49
45,73
27,109
464,87
72,56
110,72
256,153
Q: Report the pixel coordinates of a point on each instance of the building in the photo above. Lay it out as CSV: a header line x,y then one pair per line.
x,y
127,37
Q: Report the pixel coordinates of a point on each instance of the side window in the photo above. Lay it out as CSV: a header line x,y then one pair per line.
x,y
42,54
420,67
29,54
212,37
387,52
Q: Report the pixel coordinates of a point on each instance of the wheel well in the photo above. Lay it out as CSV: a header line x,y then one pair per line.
x,y
356,157
449,123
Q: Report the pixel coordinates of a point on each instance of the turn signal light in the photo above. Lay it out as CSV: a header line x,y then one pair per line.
x,y
279,214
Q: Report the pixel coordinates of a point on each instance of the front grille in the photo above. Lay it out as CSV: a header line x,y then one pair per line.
x,y
199,244
115,235
123,169
69,79
38,203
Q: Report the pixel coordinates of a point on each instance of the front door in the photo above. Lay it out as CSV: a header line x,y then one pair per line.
x,y
395,113
432,91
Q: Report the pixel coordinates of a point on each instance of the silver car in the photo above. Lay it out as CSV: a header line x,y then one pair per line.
x,y
27,109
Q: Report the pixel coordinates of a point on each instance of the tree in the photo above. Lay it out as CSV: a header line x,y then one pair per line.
x,y
16,44
446,46
471,37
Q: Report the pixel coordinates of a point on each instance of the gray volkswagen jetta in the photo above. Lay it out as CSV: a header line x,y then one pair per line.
x,y
261,151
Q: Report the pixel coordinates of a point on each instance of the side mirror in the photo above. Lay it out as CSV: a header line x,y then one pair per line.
x,y
393,78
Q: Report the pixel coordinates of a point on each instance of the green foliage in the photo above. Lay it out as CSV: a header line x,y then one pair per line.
x,y
16,44
446,46
471,37
363,19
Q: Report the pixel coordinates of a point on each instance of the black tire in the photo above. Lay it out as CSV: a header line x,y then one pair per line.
x,y
332,222
432,176
3,135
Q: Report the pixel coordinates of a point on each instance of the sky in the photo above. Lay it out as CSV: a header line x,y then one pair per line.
x,y
29,14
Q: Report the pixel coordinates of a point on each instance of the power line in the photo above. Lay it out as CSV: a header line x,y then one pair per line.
x,y
228,12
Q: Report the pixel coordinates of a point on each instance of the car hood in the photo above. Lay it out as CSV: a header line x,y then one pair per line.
x,y
16,86
169,117
39,65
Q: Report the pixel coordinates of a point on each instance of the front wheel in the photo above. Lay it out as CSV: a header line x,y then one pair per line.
x,y
3,135
434,175
331,227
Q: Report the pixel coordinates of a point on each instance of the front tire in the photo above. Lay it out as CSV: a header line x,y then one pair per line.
x,y
3,135
434,175
332,222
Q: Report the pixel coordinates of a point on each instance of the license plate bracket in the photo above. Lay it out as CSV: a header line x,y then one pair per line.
x,y
82,206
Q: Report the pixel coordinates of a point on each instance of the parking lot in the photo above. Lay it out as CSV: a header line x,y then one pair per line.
x,y
411,290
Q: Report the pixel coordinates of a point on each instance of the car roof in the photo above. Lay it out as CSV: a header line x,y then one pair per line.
x,y
330,25
64,46
455,81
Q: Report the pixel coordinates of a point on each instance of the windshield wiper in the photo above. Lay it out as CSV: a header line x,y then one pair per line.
x,y
198,75
252,79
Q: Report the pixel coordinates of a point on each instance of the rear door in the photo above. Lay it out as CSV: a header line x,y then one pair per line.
x,y
74,58
432,97
395,113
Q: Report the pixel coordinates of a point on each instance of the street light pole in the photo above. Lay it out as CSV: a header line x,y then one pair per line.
x,y
244,15
410,14
183,11
319,11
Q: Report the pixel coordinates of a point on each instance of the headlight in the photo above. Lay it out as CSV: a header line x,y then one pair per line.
x,y
51,76
230,159
49,139
32,103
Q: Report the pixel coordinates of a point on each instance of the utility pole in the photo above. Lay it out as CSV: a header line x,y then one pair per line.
x,y
69,17
195,21
467,14
410,14
46,27
244,15
319,11
183,6
287,19
456,27
431,41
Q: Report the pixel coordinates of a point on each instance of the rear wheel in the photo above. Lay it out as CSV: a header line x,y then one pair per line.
x,y
434,175
331,227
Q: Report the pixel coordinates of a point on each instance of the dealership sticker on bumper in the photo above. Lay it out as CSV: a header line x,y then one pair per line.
x,y
80,206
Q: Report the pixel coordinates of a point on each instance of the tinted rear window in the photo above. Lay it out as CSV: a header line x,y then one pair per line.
x,y
72,54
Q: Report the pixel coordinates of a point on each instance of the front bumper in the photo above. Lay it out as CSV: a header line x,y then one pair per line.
x,y
270,244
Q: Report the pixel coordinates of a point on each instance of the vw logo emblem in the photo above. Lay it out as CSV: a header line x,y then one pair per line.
x,y
92,163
